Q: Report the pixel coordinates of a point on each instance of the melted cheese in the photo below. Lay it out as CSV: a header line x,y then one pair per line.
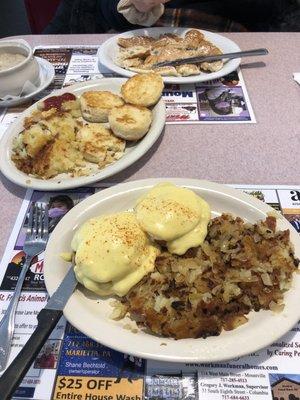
x,y
175,215
112,254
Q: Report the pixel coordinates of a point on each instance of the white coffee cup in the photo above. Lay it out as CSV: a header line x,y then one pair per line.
x,y
13,79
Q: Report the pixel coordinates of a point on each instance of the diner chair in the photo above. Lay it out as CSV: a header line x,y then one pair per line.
x,y
40,13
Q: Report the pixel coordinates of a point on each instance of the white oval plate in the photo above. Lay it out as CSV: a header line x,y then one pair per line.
x,y
90,314
133,150
109,51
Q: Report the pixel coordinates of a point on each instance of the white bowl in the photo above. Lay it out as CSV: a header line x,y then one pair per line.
x,y
13,79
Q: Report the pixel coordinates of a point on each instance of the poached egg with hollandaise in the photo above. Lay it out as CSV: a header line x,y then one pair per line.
x,y
113,254
174,215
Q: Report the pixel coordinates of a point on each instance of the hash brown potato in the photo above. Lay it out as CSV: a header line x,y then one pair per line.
x,y
240,267
130,122
99,145
35,138
47,146
95,105
58,156
143,90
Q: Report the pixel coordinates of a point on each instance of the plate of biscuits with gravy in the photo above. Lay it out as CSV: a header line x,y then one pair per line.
x,y
84,133
139,51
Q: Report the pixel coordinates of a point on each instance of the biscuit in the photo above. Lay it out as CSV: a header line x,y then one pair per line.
x,y
130,122
95,105
99,145
143,90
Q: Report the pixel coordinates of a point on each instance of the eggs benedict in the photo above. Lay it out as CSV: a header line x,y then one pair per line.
x,y
113,254
175,215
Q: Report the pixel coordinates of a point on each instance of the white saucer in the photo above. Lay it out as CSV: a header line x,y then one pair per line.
x,y
47,73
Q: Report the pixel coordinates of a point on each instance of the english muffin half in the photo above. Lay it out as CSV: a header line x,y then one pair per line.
x,y
130,122
143,90
95,105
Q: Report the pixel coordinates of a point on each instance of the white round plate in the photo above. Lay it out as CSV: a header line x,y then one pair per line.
x,y
47,73
90,314
109,51
133,151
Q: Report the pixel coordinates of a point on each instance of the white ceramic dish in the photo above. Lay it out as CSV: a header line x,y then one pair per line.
x,y
47,73
133,151
109,50
13,79
90,314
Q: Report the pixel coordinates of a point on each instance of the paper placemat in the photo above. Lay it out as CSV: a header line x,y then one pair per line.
x,y
221,101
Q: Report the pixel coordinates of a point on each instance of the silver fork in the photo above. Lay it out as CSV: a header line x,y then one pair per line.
x,y
35,242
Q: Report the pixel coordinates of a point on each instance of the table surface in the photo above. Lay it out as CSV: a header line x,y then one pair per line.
x,y
263,153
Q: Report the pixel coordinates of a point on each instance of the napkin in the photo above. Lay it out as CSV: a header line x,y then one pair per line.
x,y
296,76
28,88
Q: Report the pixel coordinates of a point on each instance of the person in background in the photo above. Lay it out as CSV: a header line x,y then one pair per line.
x,y
99,16
295,221
57,208
47,359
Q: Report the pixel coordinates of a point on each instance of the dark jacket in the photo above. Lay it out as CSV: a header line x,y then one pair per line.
x,y
99,16
87,16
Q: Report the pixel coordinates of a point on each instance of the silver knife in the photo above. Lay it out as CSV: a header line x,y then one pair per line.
x,y
47,320
200,59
